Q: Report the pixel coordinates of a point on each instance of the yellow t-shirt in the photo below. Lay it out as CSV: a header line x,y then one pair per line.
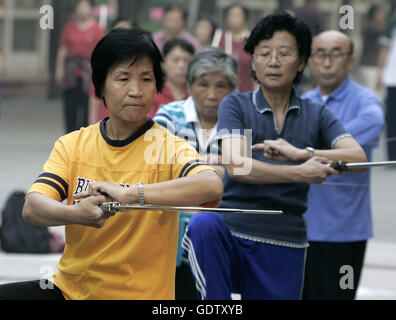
x,y
134,255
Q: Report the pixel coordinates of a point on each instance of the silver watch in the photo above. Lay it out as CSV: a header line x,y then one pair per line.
x,y
140,193
311,152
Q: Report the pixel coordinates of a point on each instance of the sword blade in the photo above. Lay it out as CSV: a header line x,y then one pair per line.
x,y
355,165
117,207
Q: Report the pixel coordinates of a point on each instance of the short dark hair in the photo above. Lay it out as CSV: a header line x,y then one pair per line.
x,y
120,45
282,21
177,42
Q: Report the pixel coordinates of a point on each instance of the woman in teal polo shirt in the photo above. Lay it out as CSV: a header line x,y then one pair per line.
x,y
262,256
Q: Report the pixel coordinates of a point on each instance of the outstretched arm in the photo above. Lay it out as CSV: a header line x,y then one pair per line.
x,y
197,189
243,168
44,211
345,149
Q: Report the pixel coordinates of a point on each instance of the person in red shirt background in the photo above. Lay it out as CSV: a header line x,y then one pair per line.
x,y
177,53
73,72
232,42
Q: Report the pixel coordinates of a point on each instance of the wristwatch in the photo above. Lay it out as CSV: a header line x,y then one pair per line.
x,y
311,152
140,193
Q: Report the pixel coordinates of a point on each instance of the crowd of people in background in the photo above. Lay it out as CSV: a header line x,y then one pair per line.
x,y
219,81
374,59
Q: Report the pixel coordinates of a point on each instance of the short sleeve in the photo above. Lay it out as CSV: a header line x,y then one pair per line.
x,y
230,121
188,163
331,129
368,123
187,160
53,180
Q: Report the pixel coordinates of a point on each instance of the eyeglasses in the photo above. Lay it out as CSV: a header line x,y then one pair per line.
x,y
281,57
320,57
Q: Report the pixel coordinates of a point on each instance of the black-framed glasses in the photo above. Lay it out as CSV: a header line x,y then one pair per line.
x,y
282,57
320,56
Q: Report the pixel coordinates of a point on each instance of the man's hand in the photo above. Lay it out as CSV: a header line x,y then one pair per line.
x,y
112,192
281,150
316,170
88,212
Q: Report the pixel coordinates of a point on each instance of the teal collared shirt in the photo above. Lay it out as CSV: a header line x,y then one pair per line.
x,y
181,118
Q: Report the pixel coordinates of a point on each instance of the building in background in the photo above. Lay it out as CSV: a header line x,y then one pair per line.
x,y
23,45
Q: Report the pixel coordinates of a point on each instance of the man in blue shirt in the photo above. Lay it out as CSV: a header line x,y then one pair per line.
x,y
339,211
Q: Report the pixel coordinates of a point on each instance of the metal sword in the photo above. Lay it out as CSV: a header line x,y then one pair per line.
x,y
345,166
114,207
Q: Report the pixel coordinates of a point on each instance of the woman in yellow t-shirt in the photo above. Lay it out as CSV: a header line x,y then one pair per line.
x,y
129,255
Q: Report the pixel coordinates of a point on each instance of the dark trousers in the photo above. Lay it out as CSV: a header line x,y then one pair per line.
x,y
75,107
223,264
30,290
391,122
326,278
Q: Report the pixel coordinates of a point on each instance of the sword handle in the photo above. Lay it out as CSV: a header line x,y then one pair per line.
x,y
339,165
111,207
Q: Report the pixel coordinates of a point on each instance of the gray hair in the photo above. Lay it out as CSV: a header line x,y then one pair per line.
x,y
212,60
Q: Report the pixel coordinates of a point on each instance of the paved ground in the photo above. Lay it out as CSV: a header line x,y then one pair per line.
x,y
30,126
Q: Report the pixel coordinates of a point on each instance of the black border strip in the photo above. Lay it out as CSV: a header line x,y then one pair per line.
x,y
192,167
122,143
188,164
54,185
55,177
